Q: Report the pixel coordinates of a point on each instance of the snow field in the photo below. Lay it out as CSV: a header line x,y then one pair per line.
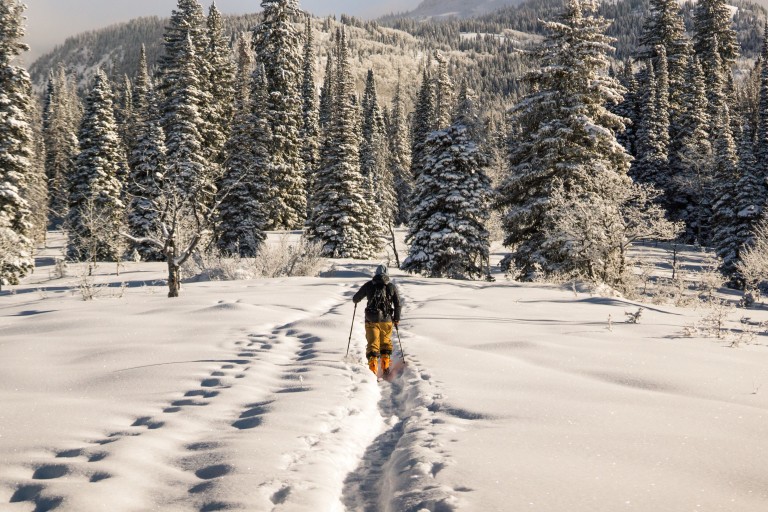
x,y
143,403
237,396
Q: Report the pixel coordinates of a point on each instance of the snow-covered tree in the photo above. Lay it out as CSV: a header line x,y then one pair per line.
x,y
595,241
277,44
447,232
423,123
749,196
373,154
339,198
399,156
61,120
692,163
714,39
443,91
761,141
664,27
219,83
310,129
629,108
187,22
326,93
241,214
96,209
123,92
565,140
752,266
187,168
142,85
16,147
652,163
147,166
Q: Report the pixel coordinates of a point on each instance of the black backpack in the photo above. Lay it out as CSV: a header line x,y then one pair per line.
x,y
380,301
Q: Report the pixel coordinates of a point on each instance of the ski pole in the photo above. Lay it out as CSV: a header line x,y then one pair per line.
x,y
350,330
400,341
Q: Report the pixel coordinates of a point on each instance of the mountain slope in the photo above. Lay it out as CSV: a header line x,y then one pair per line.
x,y
458,8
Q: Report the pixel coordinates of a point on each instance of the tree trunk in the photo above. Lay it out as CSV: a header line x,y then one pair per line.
x,y
674,261
394,245
174,271
174,284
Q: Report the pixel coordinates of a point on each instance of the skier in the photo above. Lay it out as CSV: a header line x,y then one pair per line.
x,y
381,312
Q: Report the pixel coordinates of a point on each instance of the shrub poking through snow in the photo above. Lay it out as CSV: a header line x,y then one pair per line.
x,y
285,258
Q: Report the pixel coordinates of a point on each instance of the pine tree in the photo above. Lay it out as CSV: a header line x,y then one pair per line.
x,y
748,206
566,147
629,108
187,27
761,142
277,44
399,156
142,84
725,178
310,129
16,149
447,232
664,28
689,200
219,84
187,167
326,94
443,94
241,215
96,209
339,198
147,163
652,165
61,119
423,123
373,154
714,39
187,21
141,89
37,188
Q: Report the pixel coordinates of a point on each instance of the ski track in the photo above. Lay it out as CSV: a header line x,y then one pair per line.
x,y
398,472
375,444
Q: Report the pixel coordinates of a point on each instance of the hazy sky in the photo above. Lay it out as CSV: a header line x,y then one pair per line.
x,y
49,22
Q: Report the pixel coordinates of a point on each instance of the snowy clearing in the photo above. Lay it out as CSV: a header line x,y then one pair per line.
x,y
237,396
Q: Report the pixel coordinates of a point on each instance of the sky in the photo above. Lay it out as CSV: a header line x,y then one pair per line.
x,y
50,22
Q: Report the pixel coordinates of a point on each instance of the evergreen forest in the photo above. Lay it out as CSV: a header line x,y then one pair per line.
x,y
568,130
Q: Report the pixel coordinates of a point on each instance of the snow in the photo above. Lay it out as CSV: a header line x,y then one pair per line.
x,y
237,396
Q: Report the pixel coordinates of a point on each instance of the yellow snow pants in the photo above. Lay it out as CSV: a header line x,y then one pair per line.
x,y
379,336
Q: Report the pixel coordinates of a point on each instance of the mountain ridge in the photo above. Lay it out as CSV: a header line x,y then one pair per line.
x,y
429,9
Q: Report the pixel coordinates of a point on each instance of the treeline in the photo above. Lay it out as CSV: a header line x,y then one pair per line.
x,y
224,139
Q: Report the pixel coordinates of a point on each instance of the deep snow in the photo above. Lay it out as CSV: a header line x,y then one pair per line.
x,y
237,396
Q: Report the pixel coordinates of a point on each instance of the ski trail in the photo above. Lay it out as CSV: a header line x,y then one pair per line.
x,y
398,472
219,444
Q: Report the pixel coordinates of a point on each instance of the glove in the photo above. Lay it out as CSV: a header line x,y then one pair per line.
x,y
396,322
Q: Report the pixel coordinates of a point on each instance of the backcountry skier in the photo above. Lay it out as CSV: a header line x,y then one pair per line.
x,y
382,311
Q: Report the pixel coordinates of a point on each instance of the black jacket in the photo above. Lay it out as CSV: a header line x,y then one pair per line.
x,y
394,298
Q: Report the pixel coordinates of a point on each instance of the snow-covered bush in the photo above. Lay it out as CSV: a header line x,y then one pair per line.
x,y
285,258
710,279
753,263
714,324
15,258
